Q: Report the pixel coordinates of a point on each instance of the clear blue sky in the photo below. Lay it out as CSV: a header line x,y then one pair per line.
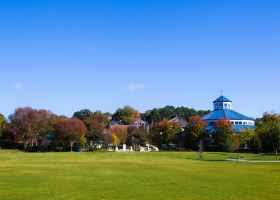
x,y
66,55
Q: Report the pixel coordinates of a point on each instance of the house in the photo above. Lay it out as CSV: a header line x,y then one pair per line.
x,y
223,110
139,123
180,121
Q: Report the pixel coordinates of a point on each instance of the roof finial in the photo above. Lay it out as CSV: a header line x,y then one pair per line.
x,y
222,92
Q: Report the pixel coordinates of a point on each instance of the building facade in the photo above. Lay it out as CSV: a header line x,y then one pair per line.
x,y
223,110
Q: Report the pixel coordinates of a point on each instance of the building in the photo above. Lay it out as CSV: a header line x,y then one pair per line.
x,y
180,121
139,123
223,110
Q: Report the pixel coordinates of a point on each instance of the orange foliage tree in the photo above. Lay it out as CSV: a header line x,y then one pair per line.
x,y
169,131
224,134
119,134
195,131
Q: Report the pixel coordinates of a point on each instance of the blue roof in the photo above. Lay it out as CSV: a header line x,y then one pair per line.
x,y
228,114
222,99
236,128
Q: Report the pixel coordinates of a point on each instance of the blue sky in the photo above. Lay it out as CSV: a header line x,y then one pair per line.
x,y
103,54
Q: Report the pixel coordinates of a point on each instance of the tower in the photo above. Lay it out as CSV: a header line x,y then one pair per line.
x,y
222,103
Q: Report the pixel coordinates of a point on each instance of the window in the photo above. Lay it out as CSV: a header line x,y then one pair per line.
x,y
236,122
244,123
232,122
240,123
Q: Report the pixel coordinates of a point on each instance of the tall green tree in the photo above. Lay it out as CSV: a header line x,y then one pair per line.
x,y
170,112
127,115
84,115
246,135
268,130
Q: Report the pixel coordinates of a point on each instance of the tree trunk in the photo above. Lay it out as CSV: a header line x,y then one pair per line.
x,y
237,155
276,154
32,142
36,141
71,145
201,149
25,143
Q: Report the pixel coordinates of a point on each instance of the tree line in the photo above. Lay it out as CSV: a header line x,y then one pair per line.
x,y
41,130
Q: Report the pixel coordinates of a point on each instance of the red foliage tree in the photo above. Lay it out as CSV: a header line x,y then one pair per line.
x,y
96,126
30,124
70,130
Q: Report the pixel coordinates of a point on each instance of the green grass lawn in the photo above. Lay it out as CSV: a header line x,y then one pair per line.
x,y
135,176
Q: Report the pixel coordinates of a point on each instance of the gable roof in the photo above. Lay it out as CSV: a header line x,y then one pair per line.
x,y
222,99
228,114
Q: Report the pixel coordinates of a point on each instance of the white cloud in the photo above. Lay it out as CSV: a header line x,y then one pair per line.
x,y
18,86
134,86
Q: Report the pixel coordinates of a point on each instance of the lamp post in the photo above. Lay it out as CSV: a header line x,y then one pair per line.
x,y
160,141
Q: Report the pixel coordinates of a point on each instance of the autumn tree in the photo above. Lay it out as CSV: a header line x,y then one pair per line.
x,y
223,134
195,132
116,140
136,136
3,125
29,125
169,131
127,115
119,134
70,130
40,123
96,125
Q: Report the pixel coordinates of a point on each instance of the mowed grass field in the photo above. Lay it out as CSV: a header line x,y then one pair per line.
x,y
90,176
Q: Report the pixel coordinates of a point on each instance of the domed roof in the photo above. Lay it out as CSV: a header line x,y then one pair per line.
x,y
228,114
222,99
